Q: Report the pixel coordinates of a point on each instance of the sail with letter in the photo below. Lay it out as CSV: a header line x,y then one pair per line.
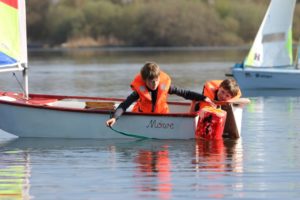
x,y
13,42
272,46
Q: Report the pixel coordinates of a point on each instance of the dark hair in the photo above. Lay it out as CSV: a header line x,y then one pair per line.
x,y
150,71
231,86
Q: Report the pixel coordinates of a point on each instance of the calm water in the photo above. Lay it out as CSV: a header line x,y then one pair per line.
x,y
263,164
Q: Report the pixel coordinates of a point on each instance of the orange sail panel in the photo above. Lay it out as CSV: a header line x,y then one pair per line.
x,y
12,3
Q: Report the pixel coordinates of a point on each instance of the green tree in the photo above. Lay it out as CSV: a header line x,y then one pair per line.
x,y
64,22
36,20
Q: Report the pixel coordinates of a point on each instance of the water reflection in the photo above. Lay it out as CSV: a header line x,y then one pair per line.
x,y
157,165
14,173
218,156
214,161
158,169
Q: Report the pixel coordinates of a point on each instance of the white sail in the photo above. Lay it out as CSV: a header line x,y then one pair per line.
x,y
272,46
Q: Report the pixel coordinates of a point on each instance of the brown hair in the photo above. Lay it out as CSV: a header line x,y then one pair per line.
x,y
150,71
231,86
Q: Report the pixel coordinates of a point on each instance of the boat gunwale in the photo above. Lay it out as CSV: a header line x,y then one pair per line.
x,y
268,70
22,103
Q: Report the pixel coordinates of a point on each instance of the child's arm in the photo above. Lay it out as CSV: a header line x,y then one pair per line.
x,y
187,94
190,95
122,108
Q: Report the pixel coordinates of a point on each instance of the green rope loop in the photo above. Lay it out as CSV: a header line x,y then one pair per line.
x,y
130,134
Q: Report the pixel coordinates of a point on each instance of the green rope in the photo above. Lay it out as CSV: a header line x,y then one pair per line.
x,y
130,134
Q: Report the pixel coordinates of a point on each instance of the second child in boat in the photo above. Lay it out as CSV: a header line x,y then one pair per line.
x,y
151,88
218,90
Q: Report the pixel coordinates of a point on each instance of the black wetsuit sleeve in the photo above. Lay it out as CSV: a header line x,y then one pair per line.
x,y
134,96
187,94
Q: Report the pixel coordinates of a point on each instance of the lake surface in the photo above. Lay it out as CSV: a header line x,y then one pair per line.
x,y
263,164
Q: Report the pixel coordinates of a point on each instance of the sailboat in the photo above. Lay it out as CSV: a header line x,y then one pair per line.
x,y
54,116
269,63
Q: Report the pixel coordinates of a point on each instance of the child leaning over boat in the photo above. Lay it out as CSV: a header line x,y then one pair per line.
x,y
151,88
218,90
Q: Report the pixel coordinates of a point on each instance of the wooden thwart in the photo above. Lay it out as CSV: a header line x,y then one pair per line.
x,y
98,105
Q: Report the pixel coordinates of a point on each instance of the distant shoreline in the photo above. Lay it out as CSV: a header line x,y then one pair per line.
x,y
130,48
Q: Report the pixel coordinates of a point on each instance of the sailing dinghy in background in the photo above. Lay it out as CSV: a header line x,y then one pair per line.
x,y
37,115
269,64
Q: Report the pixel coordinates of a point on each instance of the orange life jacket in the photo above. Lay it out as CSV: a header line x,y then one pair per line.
x,y
144,103
210,90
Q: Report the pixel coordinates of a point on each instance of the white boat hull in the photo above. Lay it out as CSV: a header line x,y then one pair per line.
x,y
63,118
35,122
265,78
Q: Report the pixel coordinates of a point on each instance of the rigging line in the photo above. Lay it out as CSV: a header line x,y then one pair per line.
x,y
21,86
131,135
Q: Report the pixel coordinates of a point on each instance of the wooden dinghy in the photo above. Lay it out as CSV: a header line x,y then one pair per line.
x,y
84,117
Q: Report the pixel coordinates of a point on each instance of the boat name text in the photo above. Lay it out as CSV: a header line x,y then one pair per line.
x,y
159,124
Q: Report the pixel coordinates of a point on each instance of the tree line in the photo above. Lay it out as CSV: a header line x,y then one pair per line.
x,y
74,23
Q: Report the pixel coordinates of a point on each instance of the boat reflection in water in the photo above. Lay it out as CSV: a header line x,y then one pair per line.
x,y
14,173
156,165
218,155
156,169
159,169
216,160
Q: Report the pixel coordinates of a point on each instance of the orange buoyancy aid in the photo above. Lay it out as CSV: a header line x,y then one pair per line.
x,y
144,103
210,90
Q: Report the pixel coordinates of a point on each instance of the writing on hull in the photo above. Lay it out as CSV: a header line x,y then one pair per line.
x,y
160,124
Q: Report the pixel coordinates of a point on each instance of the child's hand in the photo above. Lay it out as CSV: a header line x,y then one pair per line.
x,y
111,122
208,100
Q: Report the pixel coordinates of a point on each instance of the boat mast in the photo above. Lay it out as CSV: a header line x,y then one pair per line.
x,y
24,54
25,80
